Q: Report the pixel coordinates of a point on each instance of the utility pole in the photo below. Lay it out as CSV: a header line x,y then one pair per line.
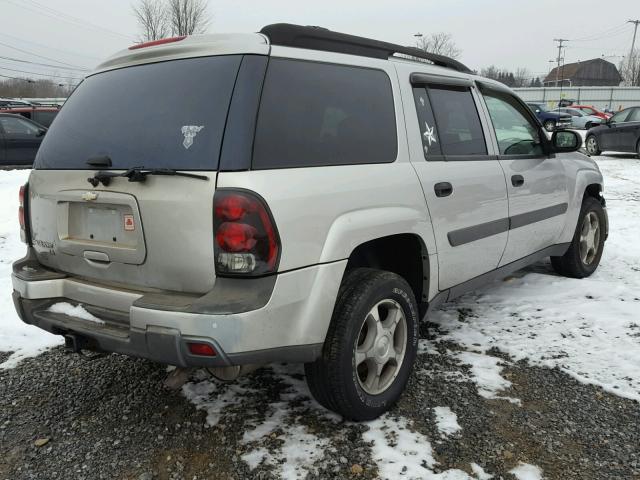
x,y
560,42
632,62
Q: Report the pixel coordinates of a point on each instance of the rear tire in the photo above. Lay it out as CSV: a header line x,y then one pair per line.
x,y
591,144
584,254
370,347
549,125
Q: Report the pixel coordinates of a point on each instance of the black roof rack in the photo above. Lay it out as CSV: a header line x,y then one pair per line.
x,y
318,38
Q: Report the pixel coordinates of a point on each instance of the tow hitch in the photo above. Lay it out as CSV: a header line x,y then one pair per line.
x,y
76,344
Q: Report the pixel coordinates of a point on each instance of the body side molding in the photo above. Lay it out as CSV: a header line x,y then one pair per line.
x,y
483,230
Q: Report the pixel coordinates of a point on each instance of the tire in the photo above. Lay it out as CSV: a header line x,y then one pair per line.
x,y
591,145
584,254
549,125
638,148
365,362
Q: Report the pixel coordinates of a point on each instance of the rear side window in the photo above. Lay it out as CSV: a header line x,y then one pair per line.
x,y
162,115
318,114
457,121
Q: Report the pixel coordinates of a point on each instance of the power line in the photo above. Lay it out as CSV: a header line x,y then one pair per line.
x,y
57,15
67,52
36,73
611,32
41,56
42,64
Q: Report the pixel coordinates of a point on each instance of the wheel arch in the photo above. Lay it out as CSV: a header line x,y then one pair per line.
x,y
588,183
404,254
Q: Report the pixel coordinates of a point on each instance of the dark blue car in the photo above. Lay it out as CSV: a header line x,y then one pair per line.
x,y
20,139
550,120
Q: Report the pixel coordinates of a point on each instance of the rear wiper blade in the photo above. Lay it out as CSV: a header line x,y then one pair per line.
x,y
139,174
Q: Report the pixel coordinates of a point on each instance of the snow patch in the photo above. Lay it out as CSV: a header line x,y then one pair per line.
x,y
479,472
400,452
77,311
446,421
525,471
485,371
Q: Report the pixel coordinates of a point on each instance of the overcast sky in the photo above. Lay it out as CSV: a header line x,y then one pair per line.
x,y
505,33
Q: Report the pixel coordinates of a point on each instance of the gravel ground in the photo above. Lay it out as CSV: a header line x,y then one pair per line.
x,y
65,417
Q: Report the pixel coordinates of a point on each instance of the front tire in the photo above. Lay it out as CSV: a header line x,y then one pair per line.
x,y
592,145
584,254
549,125
370,347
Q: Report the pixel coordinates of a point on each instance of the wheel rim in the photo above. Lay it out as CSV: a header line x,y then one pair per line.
x,y
549,126
589,238
592,145
381,346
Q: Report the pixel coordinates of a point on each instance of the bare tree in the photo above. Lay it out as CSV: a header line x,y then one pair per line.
x,y
440,43
630,70
521,77
152,18
187,17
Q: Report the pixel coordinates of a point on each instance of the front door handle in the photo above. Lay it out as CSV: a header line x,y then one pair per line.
x,y
443,189
517,180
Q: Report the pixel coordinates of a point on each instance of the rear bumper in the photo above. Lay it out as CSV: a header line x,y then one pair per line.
x,y
284,318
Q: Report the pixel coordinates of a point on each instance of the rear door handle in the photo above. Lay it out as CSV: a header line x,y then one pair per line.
x,y
517,180
443,189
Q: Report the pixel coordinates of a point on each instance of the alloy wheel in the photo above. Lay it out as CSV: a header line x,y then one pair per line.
x,y
592,145
589,238
381,346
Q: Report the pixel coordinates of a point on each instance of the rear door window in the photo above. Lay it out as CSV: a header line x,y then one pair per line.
x,y
457,121
318,114
163,115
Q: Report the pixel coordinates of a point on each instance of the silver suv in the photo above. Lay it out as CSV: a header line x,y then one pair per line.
x,y
296,195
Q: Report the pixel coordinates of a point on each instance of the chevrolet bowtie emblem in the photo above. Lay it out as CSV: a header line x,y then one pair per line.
x,y
89,196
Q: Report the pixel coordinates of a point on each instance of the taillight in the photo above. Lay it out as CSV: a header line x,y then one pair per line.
x,y
246,241
21,215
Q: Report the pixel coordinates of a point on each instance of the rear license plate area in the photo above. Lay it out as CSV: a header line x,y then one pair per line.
x,y
105,224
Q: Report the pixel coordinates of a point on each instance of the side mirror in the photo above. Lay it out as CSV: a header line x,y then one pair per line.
x,y
565,141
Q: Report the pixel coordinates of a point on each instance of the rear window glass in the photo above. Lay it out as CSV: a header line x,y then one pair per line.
x,y
162,115
315,114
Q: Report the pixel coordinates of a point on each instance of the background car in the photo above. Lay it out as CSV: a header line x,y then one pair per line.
x,y
589,110
10,102
565,102
579,119
550,120
621,133
20,139
41,115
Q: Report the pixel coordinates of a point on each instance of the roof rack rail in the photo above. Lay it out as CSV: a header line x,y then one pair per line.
x,y
318,38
